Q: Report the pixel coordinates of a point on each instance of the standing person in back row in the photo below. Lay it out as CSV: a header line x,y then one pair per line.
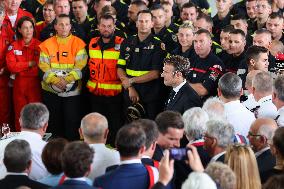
x,y
105,88
62,59
139,66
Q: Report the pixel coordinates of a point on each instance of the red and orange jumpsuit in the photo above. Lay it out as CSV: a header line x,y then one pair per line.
x,y
27,86
7,37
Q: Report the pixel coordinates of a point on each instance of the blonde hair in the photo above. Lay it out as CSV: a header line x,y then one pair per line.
x,y
242,161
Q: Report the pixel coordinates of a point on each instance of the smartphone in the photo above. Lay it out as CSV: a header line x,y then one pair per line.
x,y
178,153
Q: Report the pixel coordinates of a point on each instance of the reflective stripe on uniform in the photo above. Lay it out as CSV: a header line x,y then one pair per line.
x,y
121,62
61,66
135,73
105,86
107,54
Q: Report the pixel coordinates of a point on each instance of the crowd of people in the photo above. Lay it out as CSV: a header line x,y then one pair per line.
x,y
137,81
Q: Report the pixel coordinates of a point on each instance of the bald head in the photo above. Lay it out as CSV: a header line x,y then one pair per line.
x,y
94,127
265,127
261,133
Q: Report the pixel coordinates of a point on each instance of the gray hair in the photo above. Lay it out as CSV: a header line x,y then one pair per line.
x,y
267,131
17,156
230,85
197,180
278,87
262,82
34,116
221,130
215,108
195,122
222,175
94,125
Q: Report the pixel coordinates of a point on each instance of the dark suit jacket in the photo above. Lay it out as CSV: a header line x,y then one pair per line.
x,y
265,161
74,184
158,154
185,99
14,181
126,176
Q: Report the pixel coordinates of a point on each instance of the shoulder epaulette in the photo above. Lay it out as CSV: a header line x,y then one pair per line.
x,y
122,24
41,1
90,18
157,38
122,2
215,43
169,30
39,23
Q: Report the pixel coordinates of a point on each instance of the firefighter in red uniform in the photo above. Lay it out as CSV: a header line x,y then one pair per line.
x,y
4,78
104,85
13,14
22,60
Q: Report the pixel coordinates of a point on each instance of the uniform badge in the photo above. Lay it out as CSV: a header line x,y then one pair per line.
x,y
18,52
163,46
194,75
65,54
10,47
127,56
136,49
127,49
174,38
117,47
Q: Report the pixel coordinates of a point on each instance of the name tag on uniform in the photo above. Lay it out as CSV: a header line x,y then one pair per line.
x,y
136,49
17,52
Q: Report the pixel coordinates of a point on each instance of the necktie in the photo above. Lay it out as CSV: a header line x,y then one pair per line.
x,y
171,96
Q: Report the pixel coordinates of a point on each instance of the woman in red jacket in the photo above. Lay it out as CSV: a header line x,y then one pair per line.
x,y
22,60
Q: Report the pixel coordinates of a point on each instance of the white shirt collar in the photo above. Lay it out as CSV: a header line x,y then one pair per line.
x,y
214,158
264,99
145,156
79,178
13,173
234,102
261,151
177,88
131,161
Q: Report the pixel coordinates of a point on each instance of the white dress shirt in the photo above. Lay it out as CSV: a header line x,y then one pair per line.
x,y
214,158
103,158
239,116
38,170
266,108
250,103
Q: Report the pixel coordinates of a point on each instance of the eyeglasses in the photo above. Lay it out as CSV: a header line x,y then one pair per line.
x,y
250,134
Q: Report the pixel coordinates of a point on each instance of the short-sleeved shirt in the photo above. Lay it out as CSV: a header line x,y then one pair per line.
x,y
137,58
206,71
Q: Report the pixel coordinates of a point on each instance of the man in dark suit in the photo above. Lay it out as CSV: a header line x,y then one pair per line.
x,y
77,158
260,134
182,96
217,138
131,173
18,162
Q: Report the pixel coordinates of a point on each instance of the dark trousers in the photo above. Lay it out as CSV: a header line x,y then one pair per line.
x,y
65,115
111,108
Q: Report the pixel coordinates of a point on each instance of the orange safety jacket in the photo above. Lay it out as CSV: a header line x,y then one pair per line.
x,y
102,65
67,55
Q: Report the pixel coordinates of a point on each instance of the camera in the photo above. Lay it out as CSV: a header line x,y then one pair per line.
x,y
178,153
